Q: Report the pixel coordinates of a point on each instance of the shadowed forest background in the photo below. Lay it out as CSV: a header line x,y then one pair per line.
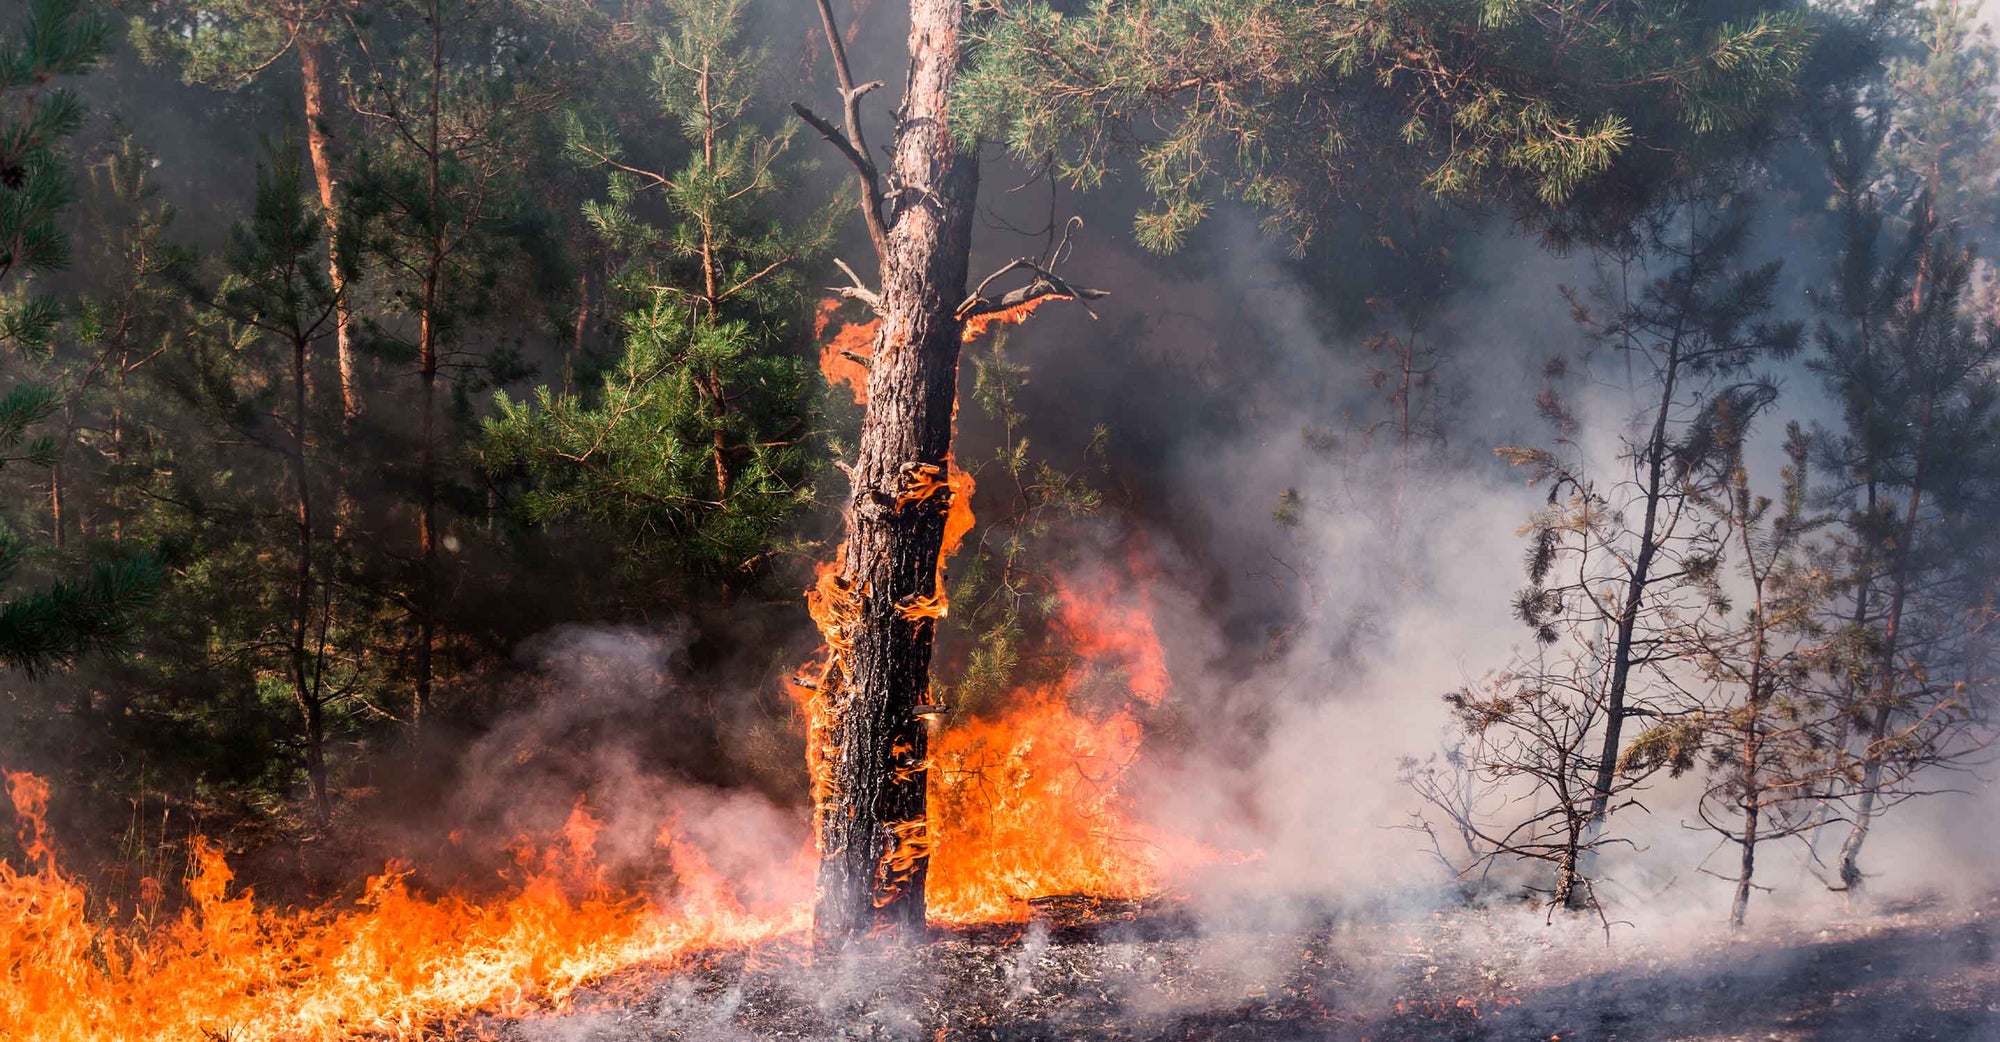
x,y
1554,443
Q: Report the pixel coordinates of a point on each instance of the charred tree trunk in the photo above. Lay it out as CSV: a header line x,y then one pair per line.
x,y
1747,871
872,830
1617,707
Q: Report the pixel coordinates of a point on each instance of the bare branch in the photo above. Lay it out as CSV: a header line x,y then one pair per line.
x,y
857,290
852,144
1046,284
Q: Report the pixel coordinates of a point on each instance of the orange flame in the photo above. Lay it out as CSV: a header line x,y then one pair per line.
x,y
979,325
837,355
843,357
1029,803
1025,803
395,965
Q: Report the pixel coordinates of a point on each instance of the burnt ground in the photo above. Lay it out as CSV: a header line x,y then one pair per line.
x,y
1917,973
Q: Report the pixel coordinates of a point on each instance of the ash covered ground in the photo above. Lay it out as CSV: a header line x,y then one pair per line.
x,y
1923,971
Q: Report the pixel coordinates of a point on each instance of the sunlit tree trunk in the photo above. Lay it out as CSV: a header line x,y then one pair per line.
x,y
873,843
311,56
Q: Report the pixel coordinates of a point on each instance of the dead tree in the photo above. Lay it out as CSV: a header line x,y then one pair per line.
x,y
867,742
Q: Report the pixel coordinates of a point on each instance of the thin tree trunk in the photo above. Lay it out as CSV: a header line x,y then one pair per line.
x,y
1741,906
1851,877
56,503
1838,748
303,686
427,360
1615,705
1569,890
427,526
872,827
310,59
1863,587
1755,700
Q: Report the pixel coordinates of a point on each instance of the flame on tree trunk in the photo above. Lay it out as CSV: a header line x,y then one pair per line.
x,y
878,603
873,747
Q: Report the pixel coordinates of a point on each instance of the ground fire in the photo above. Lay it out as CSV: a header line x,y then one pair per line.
x,y
1025,805
999,521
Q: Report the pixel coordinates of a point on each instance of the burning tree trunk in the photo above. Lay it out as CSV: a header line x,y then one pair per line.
x,y
870,766
877,605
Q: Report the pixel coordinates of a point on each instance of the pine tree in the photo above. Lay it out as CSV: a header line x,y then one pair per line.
x,y
1920,409
254,360
1904,666
1616,565
447,229
1574,117
230,43
1944,139
698,440
117,331
866,741
1764,725
49,628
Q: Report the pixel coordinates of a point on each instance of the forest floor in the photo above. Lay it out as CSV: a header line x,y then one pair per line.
x,y
1927,971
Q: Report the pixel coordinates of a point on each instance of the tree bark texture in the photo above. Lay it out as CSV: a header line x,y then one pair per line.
x,y
872,760
317,145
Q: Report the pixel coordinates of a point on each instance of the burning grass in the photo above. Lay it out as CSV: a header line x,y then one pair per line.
x,y
396,964
1028,821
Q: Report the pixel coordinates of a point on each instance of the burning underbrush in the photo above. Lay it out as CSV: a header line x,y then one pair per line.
x,y
1030,825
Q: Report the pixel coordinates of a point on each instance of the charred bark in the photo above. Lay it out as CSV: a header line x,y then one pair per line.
x,y
1617,704
872,829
